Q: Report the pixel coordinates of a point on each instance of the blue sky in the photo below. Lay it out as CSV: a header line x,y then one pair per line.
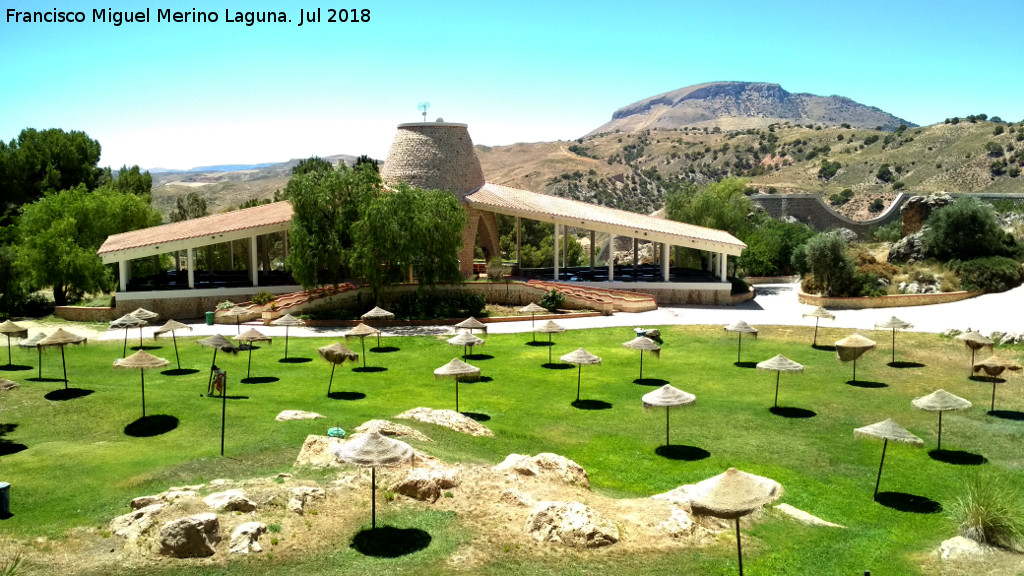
x,y
179,95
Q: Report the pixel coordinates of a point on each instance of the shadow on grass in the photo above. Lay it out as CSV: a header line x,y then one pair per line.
x,y
259,380
479,357
682,452
346,395
958,457
6,447
745,364
901,364
478,416
147,348
557,366
791,412
369,369
295,360
384,349
44,379
824,348
591,405
480,380
650,381
903,502
215,397
179,372
390,542
15,367
62,394
987,379
867,384
540,344
1007,414
152,425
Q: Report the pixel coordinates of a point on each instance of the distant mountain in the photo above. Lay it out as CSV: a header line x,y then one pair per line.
x,y
744,105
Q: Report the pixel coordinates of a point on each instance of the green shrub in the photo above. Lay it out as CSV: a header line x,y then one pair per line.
x,y
991,274
831,266
225,305
964,230
990,512
877,205
262,297
891,232
553,300
435,305
884,173
770,247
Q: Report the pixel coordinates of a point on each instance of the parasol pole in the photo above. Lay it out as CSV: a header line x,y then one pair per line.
x,y
9,363
331,382
456,393
879,480
550,345
65,364
124,352
739,547
739,347
248,367
178,360
893,345
778,373
140,336
286,342
641,365
992,409
666,427
816,320
362,342
579,375
40,349
223,413
940,430
142,373
854,370
373,496
209,385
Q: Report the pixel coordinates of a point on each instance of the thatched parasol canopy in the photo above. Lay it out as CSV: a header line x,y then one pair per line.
x,y
128,321
144,314
851,348
61,338
361,331
734,494
472,324
532,309
370,451
287,321
236,312
579,357
457,369
219,343
940,401
974,340
668,396
336,353
741,328
993,366
887,430
550,327
643,343
465,339
378,313
819,313
141,360
779,364
33,341
12,330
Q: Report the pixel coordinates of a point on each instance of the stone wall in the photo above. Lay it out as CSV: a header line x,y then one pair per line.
x,y
893,301
434,155
86,313
813,211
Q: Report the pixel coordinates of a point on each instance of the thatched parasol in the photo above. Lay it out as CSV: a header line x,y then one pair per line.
x,y
887,430
172,326
975,341
287,321
940,401
370,451
580,357
61,338
741,328
236,312
472,324
12,330
141,360
642,343
732,495
217,342
361,331
33,342
336,353
819,313
550,327
378,314
465,339
779,364
852,347
249,336
667,396
993,366
457,369
128,321
894,324
143,314
532,309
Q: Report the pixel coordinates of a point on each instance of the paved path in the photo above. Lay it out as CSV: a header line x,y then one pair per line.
x,y
776,304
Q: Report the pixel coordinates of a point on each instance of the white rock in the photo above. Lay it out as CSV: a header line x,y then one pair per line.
x,y
516,498
245,538
679,524
132,525
804,517
143,501
297,415
958,546
426,484
545,463
572,524
190,537
300,495
230,501
448,419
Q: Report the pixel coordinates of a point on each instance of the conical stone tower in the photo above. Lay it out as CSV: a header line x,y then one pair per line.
x,y
440,156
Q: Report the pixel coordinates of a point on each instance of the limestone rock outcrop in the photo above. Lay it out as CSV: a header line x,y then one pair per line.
x,y
190,537
572,524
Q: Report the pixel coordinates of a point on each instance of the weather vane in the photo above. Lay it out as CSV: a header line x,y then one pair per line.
x,y
423,109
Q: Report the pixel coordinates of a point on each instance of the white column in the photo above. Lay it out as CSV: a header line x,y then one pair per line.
x,y
519,234
554,244
124,273
592,247
285,244
664,261
611,257
231,255
191,264
722,266
253,269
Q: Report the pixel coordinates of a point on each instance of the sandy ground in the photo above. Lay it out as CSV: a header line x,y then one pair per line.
x,y
775,304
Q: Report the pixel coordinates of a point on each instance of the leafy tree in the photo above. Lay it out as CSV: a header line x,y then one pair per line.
x,y
828,169
721,205
364,159
536,243
312,164
832,267
964,230
133,181
884,173
770,247
60,233
994,149
189,206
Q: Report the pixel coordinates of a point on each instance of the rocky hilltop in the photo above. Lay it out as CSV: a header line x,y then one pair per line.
x,y
743,105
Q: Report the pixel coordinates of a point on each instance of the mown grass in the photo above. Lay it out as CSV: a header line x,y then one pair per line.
x,y
79,468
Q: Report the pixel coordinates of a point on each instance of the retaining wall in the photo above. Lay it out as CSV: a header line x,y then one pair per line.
x,y
893,301
813,211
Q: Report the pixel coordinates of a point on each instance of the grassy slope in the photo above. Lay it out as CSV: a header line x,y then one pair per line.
x,y
80,469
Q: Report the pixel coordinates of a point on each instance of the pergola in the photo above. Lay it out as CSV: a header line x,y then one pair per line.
x,y
190,235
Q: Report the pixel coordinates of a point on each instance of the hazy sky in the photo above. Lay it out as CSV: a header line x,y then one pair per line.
x,y
179,95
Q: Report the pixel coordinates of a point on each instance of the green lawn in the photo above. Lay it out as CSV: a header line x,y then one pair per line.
x,y
81,469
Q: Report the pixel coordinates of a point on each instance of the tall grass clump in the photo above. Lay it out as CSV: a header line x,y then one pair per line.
x,y
11,567
990,512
